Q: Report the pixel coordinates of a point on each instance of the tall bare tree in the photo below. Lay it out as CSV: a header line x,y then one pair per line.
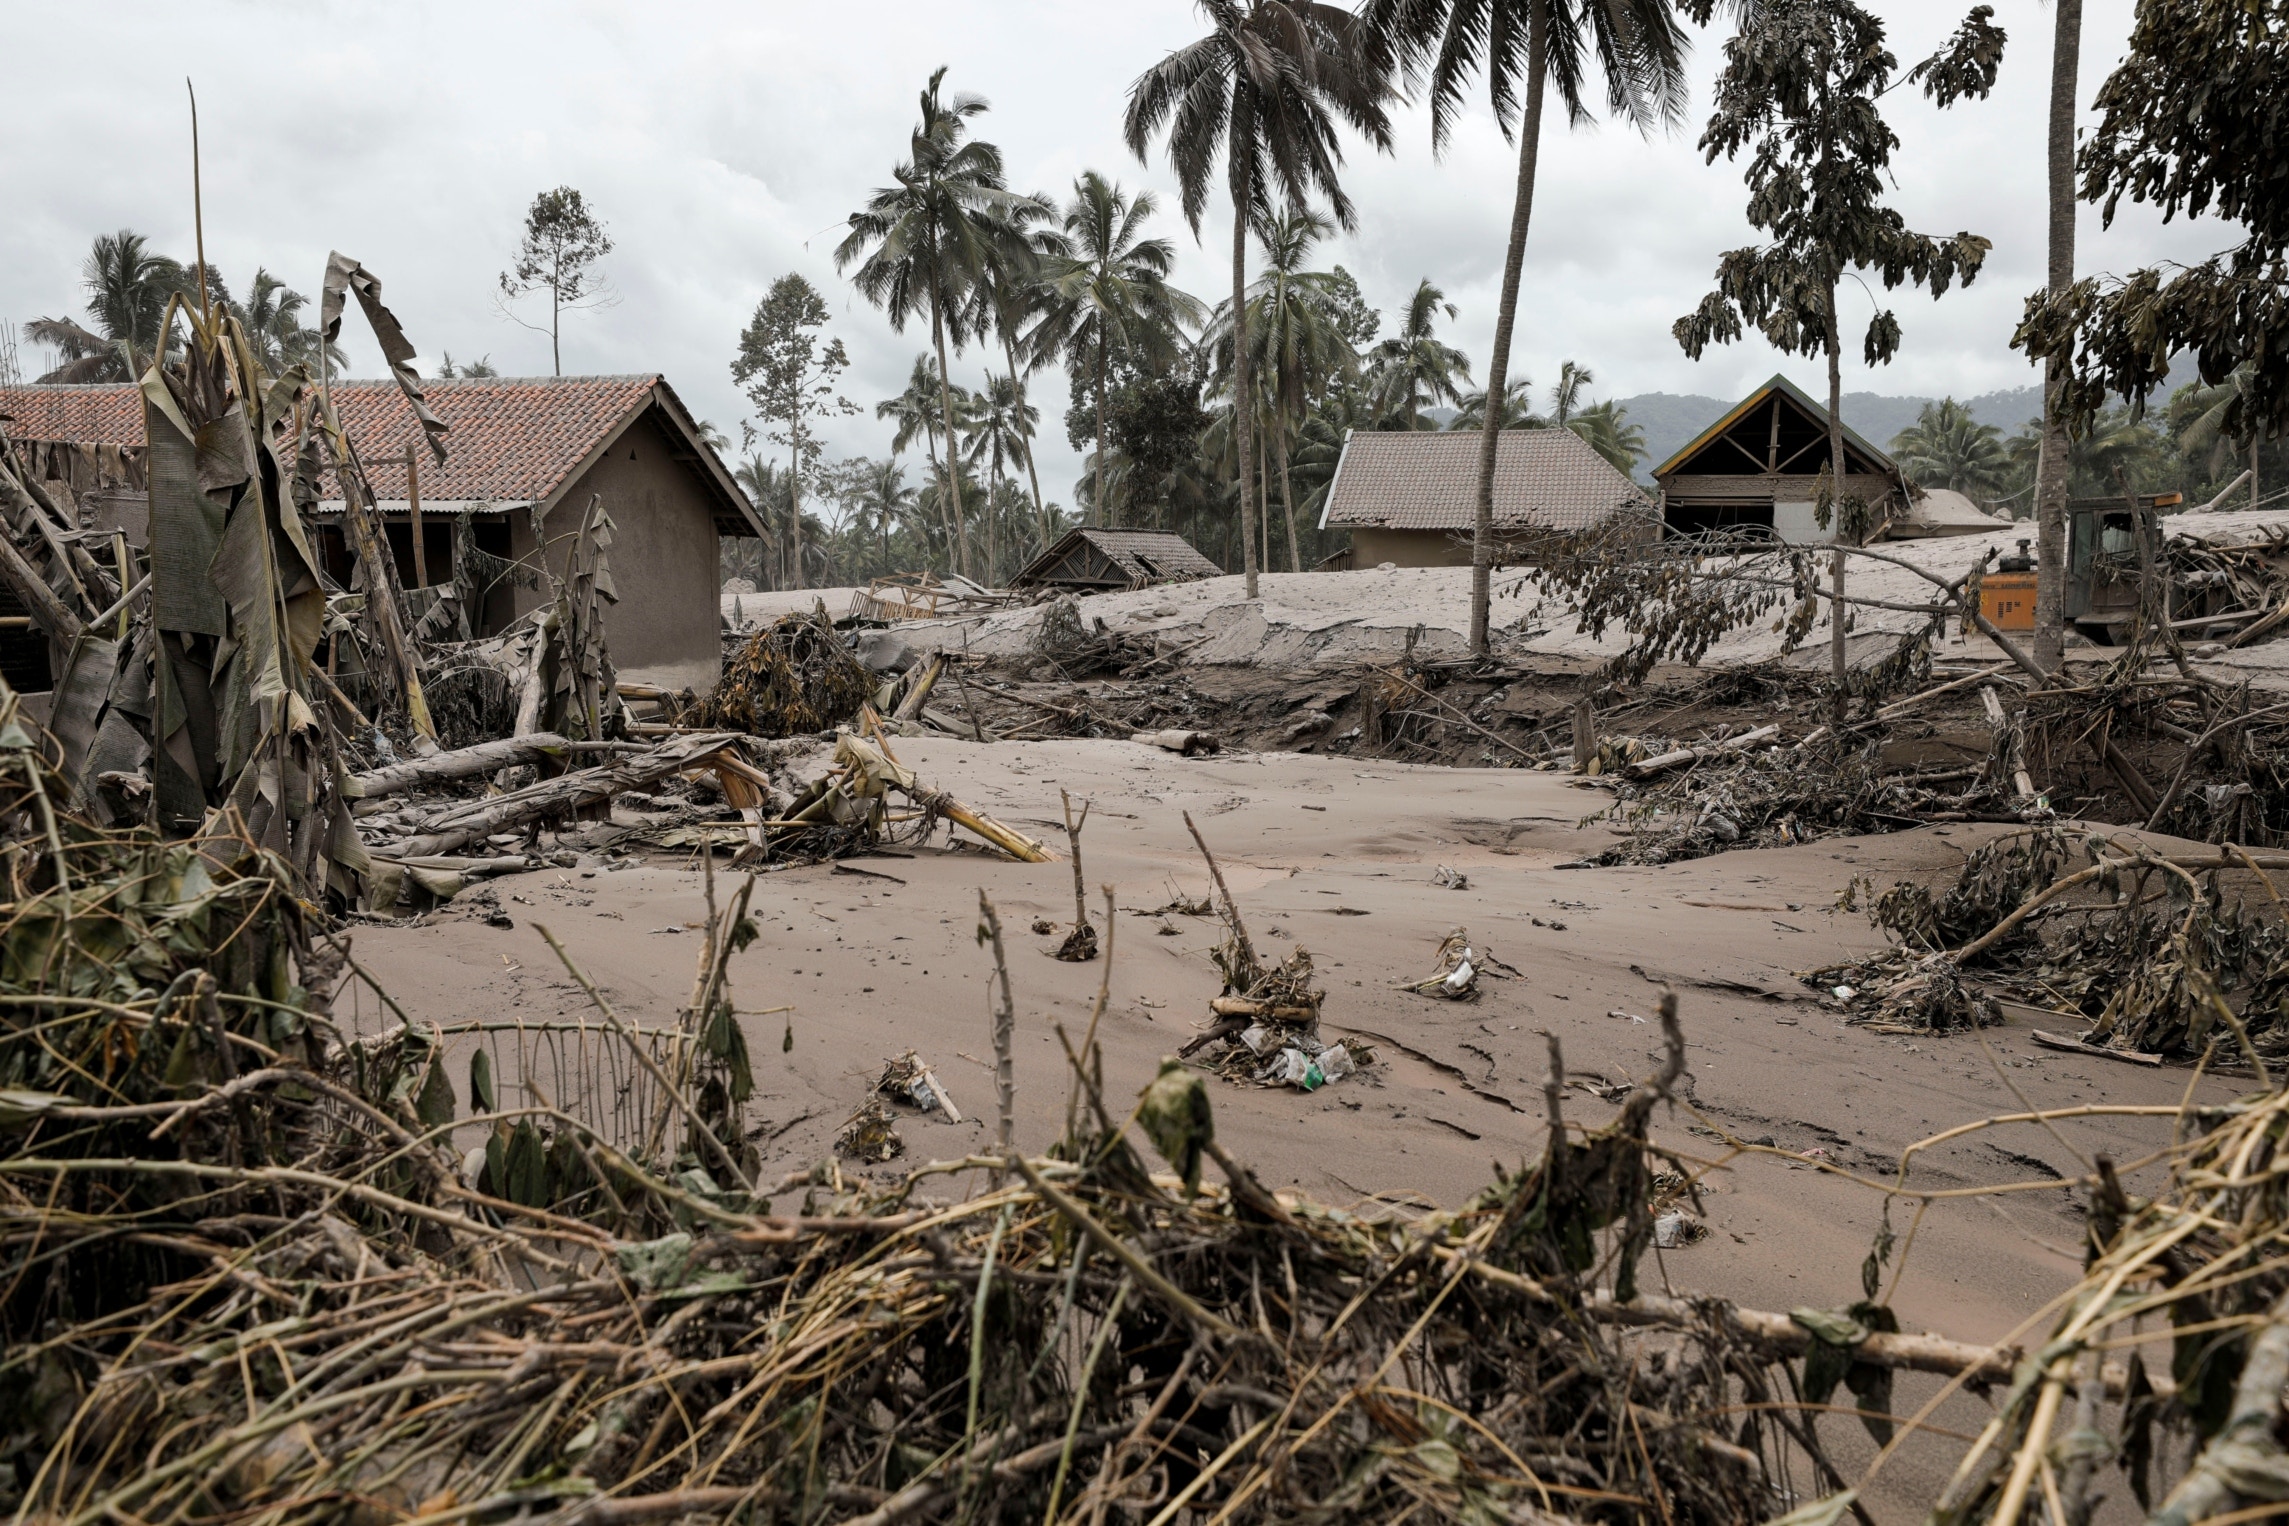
x,y
790,376
1266,89
2051,466
563,239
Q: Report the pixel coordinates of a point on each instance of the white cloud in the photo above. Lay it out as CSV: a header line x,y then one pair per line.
x,y
725,142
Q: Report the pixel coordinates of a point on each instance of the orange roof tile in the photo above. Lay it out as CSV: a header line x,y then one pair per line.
x,y
512,438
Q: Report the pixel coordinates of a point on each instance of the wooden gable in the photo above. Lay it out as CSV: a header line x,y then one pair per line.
x,y
1776,431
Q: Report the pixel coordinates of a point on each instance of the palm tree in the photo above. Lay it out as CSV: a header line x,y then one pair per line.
x,y
1567,397
1517,410
1319,442
128,285
1266,88
1296,342
1013,301
1946,447
1108,294
2205,431
1413,369
272,318
922,244
1000,426
1606,428
2116,442
2052,468
925,408
768,489
1640,49
882,502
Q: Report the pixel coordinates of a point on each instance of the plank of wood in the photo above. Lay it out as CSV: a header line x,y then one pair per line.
x,y
2076,1046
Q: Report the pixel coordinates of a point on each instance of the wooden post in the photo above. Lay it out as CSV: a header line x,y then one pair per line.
x,y
1585,736
2007,741
413,514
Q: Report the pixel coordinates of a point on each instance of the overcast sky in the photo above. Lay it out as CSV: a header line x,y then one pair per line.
x,y
724,144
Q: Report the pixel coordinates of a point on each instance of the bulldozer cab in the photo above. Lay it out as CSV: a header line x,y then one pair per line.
x,y
2102,564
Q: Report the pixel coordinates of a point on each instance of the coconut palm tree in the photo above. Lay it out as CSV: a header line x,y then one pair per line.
x,y
128,284
1517,410
1414,369
881,503
921,245
767,488
1296,339
272,318
1266,89
1012,302
2204,433
924,409
1000,426
1605,427
1537,44
1946,447
1108,294
2053,470
1570,395
449,368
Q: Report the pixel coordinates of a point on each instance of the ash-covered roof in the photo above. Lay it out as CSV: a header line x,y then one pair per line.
x,y
1134,556
513,439
1544,479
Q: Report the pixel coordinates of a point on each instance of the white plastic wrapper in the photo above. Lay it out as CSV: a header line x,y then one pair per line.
x,y
1290,1067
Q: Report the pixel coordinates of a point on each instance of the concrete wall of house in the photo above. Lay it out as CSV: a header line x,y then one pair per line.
x,y
1372,546
666,627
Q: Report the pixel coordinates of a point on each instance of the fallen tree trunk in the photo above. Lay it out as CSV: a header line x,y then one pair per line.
x,y
918,692
50,612
1188,743
1977,1365
460,825
1662,762
469,762
507,863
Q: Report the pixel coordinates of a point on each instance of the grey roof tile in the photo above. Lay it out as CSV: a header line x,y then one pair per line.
x,y
1546,479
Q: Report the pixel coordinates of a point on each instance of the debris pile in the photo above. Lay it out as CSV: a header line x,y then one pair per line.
x,y
871,1133
1831,784
1460,964
909,1079
2158,952
1266,1023
794,677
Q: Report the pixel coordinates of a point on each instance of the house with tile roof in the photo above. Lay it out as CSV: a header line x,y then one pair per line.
x,y
523,454
1411,497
